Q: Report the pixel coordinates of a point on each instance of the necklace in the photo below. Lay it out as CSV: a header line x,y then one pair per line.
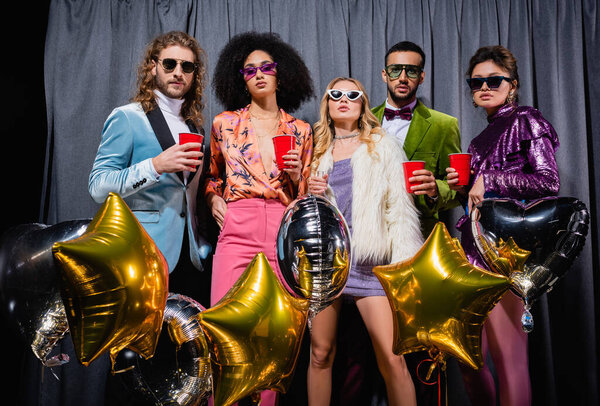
x,y
343,137
273,130
263,118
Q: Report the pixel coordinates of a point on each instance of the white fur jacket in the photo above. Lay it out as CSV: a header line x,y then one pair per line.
x,y
385,222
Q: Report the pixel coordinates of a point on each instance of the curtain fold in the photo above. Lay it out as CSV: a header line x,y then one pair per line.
x,y
93,48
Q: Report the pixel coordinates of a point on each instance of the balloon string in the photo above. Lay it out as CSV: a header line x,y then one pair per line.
x,y
437,382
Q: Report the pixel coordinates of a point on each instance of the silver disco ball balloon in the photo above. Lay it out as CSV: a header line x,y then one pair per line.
x,y
313,251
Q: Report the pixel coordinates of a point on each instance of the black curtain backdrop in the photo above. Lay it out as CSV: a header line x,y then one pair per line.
x,y
89,52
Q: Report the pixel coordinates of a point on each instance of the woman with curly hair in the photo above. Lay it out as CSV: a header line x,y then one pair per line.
x,y
362,166
259,79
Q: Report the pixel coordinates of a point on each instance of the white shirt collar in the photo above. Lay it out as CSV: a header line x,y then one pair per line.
x,y
411,105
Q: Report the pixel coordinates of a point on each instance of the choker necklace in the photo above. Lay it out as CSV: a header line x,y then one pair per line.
x,y
343,137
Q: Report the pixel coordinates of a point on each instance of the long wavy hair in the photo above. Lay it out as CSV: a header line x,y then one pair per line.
x,y
323,130
193,104
293,77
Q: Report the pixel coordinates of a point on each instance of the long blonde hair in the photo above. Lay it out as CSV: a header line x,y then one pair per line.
x,y
323,130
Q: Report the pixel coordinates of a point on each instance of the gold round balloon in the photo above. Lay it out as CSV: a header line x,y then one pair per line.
x,y
254,333
114,285
440,300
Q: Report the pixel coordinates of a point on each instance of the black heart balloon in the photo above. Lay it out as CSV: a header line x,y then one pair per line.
x,y
29,284
553,230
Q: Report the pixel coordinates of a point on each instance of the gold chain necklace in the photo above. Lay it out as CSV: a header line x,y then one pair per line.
x,y
272,130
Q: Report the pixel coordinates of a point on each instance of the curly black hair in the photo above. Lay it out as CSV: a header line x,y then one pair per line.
x,y
295,82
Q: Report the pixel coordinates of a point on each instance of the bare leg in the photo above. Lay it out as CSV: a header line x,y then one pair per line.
x,y
322,353
508,347
377,315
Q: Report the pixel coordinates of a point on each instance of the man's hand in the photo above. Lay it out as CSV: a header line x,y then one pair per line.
x,y
428,187
178,158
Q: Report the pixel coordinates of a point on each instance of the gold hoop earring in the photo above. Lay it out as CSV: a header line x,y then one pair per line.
x,y
510,98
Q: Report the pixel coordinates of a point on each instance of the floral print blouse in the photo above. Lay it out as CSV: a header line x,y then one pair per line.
x,y
236,169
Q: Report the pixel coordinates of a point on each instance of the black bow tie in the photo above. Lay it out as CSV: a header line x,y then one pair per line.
x,y
404,113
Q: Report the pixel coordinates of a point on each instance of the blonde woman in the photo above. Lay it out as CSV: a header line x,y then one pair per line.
x,y
362,166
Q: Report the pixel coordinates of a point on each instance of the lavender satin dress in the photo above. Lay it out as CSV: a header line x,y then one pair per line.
x,y
515,155
361,279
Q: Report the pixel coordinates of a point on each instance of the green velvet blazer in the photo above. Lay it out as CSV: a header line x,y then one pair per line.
x,y
431,137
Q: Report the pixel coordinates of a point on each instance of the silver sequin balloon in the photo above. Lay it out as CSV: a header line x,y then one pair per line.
x,y
179,373
30,284
313,251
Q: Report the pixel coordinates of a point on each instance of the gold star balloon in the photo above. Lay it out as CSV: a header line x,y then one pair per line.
x,y
505,259
440,300
114,285
254,333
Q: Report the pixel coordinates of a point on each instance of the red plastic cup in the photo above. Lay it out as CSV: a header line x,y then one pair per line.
x,y
409,168
461,162
282,144
184,138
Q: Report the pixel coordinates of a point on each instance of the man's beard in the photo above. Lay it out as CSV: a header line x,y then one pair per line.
x,y
163,87
401,99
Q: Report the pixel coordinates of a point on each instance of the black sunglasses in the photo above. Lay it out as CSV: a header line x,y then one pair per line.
x,y
351,95
169,65
394,71
493,82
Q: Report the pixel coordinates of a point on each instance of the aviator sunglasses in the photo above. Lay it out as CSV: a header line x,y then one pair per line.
x,y
169,65
394,71
267,69
351,95
493,82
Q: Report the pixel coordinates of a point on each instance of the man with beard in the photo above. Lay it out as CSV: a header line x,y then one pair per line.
x,y
427,135
140,159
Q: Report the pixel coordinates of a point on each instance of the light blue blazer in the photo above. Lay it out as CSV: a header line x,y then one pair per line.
x,y
163,204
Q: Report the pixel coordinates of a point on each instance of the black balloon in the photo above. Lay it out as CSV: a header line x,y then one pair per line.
x,y
552,229
30,284
179,372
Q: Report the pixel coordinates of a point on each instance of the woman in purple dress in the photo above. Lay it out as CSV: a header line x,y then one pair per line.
x,y
513,157
362,166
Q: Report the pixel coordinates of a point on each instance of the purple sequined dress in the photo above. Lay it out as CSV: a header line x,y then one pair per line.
x,y
515,156
361,279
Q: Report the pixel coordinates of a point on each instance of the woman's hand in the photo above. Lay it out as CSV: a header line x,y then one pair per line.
x,y
476,193
292,158
218,207
452,179
317,185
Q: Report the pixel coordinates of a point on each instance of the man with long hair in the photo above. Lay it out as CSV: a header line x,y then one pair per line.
x,y
140,157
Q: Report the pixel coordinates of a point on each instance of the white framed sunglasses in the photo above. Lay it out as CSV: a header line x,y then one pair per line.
x,y
351,95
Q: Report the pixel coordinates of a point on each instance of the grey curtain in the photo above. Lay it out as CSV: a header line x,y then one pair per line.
x,y
93,47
